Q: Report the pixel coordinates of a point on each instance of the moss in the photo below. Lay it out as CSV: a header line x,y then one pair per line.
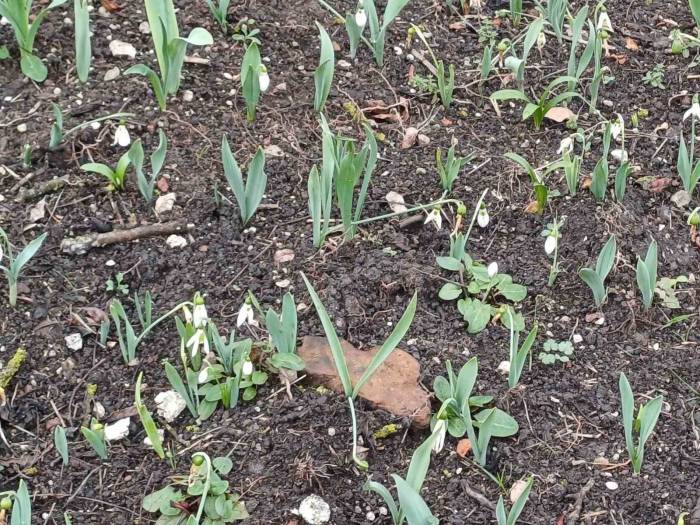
x,y
91,390
12,367
386,431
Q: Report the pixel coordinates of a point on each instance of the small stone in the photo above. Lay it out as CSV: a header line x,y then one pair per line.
x,y
393,388
176,241
187,96
344,64
122,49
273,151
370,516
147,440
423,140
331,431
165,203
611,485
117,430
169,405
383,511
111,74
284,283
22,128
98,410
504,367
110,263
74,341
57,91
145,28
577,338
314,510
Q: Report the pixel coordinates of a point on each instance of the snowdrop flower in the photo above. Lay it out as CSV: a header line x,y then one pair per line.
x,y
434,217
619,155
263,79
483,217
247,368
440,429
198,339
246,315
604,23
1,254
694,110
199,318
121,136
117,430
566,146
541,41
188,315
361,18
616,128
203,374
550,244
492,269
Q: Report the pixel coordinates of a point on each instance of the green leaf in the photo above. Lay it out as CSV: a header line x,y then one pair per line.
x,y
590,277
509,94
255,185
606,259
412,504
442,388
223,465
289,361
61,443
510,290
500,424
450,291
392,341
323,76
198,37
519,504
233,175
384,493
83,47
33,67
156,500
450,263
476,313
27,253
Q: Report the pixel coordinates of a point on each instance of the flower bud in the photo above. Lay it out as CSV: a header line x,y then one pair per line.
x,y
197,460
461,209
5,504
694,218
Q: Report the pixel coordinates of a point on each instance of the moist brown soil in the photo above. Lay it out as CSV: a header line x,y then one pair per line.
x,y
283,449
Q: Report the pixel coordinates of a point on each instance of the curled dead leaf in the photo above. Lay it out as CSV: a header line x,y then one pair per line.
x,y
660,184
380,111
111,6
559,114
396,202
631,44
410,137
533,207
463,447
283,256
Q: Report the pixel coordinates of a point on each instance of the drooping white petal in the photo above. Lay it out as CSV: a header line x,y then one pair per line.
x,y
483,218
434,217
492,269
361,19
199,318
565,146
245,315
550,244
440,430
263,79
121,136
693,111
604,23
247,368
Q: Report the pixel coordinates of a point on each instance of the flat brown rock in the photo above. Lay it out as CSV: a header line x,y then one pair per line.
x,y
393,387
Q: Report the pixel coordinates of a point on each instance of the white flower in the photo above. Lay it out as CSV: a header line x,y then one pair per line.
x,y
199,338
188,315
604,23
550,244
483,217
616,128
492,269
504,367
694,110
263,79
434,217
1,252
199,318
475,4
566,146
203,374
247,368
361,18
246,315
541,40
619,155
117,430
121,136
169,405
440,429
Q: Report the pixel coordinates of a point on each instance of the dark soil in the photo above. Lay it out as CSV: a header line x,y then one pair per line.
x,y
283,450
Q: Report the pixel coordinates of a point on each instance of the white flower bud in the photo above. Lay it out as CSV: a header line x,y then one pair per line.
x,y
492,269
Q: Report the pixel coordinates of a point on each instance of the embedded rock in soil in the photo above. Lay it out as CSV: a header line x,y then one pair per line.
x,y
393,387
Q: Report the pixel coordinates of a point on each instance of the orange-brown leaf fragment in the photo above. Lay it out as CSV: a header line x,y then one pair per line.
x,y
463,447
631,44
111,5
559,114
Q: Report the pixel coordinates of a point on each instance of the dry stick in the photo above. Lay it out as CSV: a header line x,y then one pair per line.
x,y
578,504
39,191
478,496
81,244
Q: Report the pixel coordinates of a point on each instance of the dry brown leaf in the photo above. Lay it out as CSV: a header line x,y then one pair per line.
x,y
619,58
559,114
378,110
463,447
457,26
111,5
586,182
284,255
162,185
409,138
660,184
533,207
631,44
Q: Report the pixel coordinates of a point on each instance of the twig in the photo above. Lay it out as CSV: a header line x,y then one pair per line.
x,y
39,191
478,496
81,244
578,504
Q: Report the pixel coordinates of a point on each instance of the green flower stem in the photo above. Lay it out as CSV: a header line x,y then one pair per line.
x,y
360,463
161,319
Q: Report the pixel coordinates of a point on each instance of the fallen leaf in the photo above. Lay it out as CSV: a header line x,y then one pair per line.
x,y
284,255
457,26
560,521
594,317
273,151
94,315
38,211
533,207
409,138
411,72
162,185
445,122
380,111
631,44
559,114
619,58
517,489
659,185
586,182
396,202
463,447
111,6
